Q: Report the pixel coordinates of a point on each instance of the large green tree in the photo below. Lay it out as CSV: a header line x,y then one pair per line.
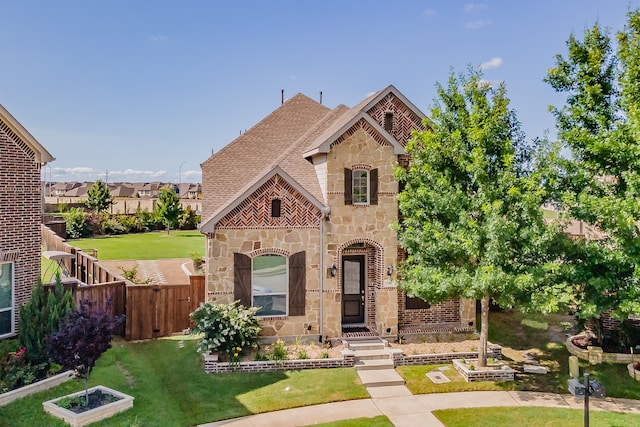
x,y
99,197
600,124
168,208
472,224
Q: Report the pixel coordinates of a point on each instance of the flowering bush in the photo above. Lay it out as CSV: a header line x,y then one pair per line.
x,y
226,327
16,371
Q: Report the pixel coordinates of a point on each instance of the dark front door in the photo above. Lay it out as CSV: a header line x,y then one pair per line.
x,y
353,289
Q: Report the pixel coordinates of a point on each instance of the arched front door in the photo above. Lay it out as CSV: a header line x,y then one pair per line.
x,y
353,286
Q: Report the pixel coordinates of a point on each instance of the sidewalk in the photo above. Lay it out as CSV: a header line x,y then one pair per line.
x,y
415,410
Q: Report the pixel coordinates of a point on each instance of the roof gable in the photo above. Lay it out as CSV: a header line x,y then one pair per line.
x,y
23,138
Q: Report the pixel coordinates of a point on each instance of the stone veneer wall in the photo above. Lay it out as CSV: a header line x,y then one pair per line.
x,y
368,225
20,209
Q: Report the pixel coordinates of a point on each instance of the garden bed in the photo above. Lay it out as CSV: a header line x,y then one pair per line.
x,y
596,355
79,419
47,383
495,371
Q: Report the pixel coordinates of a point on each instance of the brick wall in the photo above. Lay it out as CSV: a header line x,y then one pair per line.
x,y
20,208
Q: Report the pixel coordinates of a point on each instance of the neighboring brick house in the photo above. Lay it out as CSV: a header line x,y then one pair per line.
x,y
297,214
21,158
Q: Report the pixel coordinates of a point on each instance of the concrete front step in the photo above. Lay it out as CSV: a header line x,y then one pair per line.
x,y
380,378
372,354
373,364
367,345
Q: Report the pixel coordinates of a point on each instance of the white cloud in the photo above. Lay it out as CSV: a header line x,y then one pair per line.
x,y
492,63
470,7
74,170
159,38
430,12
147,173
476,25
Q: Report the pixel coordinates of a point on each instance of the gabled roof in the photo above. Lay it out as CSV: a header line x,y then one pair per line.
x,y
298,129
208,226
42,155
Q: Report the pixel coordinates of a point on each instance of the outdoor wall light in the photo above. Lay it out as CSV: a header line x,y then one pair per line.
x,y
309,327
390,270
333,270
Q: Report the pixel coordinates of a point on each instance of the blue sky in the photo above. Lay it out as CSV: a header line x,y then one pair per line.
x,y
146,90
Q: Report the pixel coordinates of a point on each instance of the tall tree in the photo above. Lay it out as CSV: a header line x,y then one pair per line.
x,y
99,197
473,226
168,209
600,125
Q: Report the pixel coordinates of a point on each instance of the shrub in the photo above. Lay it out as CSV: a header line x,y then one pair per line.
x,y
112,226
188,219
278,351
76,223
225,327
94,224
83,337
41,316
146,220
130,223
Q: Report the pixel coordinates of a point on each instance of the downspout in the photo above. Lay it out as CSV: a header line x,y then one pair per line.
x,y
325,213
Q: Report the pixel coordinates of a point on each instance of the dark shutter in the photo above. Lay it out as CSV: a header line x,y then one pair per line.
x,y
297,283
275,208
348,187
242,279
373,182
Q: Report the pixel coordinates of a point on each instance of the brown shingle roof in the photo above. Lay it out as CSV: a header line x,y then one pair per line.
x,y
272,141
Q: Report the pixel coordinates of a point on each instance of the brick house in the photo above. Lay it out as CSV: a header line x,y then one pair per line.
x,y
21,159
297,213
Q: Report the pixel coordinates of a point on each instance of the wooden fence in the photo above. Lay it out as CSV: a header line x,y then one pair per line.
x,y
152,311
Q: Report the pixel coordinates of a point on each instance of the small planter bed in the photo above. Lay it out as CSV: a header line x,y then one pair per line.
x,y
494,371
46,384
104,402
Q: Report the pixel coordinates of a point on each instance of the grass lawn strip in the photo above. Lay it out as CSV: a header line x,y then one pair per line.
x,y
379,421
532,417
145,246
171,388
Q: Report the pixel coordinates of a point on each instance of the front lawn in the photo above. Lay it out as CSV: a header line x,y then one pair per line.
x,y
532,417
171,388
144,246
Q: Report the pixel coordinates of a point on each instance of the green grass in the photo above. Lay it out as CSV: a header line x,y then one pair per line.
x,y
532,417
170,388
419,383
143,246
380,421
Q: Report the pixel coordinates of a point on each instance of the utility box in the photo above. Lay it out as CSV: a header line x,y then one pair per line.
x,y
576,388
596,389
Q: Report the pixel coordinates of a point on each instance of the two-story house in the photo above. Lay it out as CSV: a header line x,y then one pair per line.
x,y
21,159
297,212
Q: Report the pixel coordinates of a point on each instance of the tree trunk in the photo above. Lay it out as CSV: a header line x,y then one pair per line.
x,y
484,331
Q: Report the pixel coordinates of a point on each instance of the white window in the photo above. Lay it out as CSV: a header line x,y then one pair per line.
x,y
360,183
6,299
270,285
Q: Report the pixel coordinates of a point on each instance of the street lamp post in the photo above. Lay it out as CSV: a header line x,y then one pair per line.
x,y
180,173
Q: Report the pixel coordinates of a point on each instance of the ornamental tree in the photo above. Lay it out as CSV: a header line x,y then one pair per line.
x,y
168,208
82,338
471,205
599,123
99,197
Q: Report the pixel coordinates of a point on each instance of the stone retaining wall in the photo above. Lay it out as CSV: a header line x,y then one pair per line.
x,y
499,373
595,355
212,365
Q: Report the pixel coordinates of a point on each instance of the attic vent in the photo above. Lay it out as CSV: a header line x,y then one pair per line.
x,y
388,121
275,208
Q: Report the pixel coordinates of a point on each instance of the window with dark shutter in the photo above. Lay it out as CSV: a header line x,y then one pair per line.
x,y
242,279
373,183
297,283
348,187
275,208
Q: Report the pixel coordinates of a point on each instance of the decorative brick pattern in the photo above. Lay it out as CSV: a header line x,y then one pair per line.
x,y
212,365
404,120
255,210
444,312
401,359
20,208
364,125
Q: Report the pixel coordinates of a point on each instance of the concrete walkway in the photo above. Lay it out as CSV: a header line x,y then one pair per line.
x,y
415,410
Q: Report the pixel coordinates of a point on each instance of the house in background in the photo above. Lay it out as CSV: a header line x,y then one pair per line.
x,y
21,159
297,214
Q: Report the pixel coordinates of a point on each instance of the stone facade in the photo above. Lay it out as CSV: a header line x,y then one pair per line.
x,y
312,181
